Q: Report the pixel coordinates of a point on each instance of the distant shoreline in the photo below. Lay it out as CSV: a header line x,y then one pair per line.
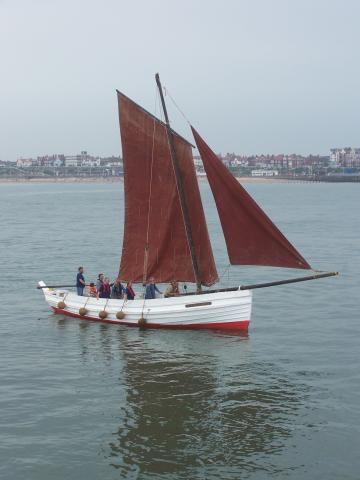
x,y
62,180
120,180
103,180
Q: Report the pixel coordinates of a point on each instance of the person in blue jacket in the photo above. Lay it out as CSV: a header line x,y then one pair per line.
x,y
80,281
151,289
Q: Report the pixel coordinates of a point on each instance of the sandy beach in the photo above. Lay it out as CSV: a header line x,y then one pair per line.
x,y
62,180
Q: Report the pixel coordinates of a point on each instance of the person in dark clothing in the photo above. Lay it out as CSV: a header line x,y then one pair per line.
x,y
80,281
99,281
105,289
117,290
151,289
129,292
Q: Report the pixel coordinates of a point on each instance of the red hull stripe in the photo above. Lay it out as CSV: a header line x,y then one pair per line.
x,y
240,325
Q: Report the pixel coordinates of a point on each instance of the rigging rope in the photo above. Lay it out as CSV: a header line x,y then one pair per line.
x,y
146,252
166,90
178,188
226,270
122,306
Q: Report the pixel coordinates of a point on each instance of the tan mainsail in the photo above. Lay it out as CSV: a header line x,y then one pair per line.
x,y
155,242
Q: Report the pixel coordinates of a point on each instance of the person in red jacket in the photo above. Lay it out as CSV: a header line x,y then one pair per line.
x,y
105,289
129,292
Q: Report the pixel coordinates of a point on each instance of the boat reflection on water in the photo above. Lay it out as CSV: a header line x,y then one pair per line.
x,y
186,404
198,407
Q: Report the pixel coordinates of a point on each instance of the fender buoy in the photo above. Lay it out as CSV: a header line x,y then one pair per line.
x,y
102,314
61,305
82,311
142,322
120,315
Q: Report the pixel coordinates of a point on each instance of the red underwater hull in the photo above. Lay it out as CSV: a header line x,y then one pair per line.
x,y
242,325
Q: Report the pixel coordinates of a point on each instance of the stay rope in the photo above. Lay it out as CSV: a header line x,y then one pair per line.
x,y
226,271
122,306
166,90
107,301
176,183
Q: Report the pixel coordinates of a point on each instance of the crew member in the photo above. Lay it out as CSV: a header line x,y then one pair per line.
x,y
172,290
80,281
105,289
92,290
99,281
117,290
129,292
151,289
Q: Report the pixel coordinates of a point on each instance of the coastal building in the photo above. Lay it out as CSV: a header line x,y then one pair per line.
x,y
113,160
114,164
90,162
81,159
255,165
345,157
58,162
87,160
72,160
55,160
264,173
24,162
198,162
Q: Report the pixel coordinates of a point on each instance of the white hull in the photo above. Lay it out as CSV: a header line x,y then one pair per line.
x,y
221,310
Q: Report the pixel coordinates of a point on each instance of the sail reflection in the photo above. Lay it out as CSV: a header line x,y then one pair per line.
x,y
196,407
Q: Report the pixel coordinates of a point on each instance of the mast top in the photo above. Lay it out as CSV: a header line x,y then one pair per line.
x,y
181,191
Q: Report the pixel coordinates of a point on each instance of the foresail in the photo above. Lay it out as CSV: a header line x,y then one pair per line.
x,y
251,237
155,243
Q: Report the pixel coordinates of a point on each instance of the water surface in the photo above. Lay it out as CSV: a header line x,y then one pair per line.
x,y
83,400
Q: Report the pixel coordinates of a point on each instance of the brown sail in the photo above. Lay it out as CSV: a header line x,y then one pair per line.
x,y
251,237
155,242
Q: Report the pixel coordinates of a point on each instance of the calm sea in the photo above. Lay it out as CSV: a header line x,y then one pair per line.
x,y
87,401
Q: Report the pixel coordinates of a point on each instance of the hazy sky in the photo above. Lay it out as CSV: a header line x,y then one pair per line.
x,y
253,76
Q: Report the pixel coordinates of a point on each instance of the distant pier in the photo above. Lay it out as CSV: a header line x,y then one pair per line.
x,y
323,178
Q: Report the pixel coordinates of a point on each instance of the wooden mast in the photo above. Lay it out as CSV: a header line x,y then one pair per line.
x,y
180,188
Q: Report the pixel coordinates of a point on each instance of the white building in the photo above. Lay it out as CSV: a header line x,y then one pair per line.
x,y
264,173
90,162
345,157
72,161
198,162
24,162
239,162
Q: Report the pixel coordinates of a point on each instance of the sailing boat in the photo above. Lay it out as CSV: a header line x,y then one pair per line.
x,y
166,236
